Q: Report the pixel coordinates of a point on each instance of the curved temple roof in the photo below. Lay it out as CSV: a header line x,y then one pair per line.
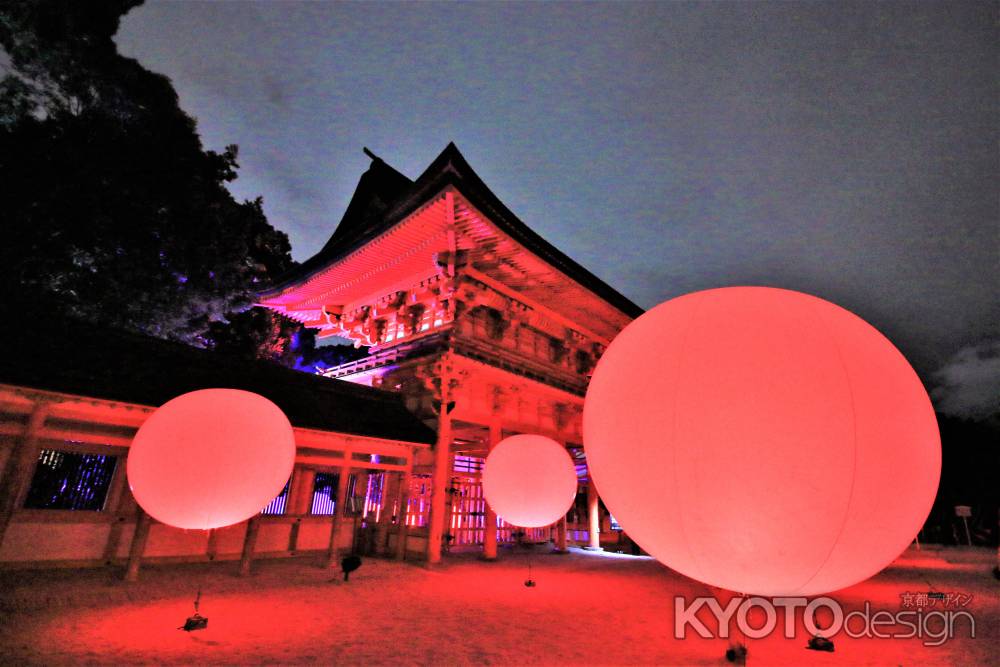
x,y
384,197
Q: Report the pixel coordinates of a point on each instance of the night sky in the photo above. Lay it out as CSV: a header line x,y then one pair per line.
x,y
845,150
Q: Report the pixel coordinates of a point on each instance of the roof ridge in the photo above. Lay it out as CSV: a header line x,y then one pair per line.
x,y
435,177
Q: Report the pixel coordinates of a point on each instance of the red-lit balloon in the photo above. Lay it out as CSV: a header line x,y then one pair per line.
x,y
529,480
762,440
210,458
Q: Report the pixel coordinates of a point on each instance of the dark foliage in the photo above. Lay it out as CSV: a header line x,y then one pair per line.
x,y
970,460
112,210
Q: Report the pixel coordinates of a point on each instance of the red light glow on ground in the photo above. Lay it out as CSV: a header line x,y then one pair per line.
x,y
586,609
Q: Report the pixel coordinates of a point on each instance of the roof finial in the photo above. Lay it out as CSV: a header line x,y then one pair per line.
x,y
370,154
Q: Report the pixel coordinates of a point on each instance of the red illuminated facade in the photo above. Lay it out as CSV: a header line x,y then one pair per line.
x,y
67,425
485,328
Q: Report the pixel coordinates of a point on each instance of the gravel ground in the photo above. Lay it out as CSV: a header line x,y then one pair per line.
x,y
587,608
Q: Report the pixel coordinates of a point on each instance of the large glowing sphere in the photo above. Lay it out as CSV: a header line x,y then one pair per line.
x,y
210,458
529,480
762,441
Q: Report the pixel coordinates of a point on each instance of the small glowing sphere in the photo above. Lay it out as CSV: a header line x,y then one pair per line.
x,y
762,441
210,458
529,480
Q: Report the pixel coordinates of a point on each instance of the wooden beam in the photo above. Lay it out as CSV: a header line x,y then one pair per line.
x,y
561,536
100,443
119,500
339,511
249,544
534,305
404,500
212,544
593,516
114,537
490,522
139,537
439,480
20,466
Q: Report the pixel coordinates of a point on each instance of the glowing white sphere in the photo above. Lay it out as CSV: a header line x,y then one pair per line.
x,y
529,480
211,458
762,441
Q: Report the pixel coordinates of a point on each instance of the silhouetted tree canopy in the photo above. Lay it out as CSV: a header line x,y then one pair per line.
x,y
970,457
112,210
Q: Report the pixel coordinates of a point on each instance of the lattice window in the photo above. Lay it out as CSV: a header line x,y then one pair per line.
x,y
324,498
468,511
580,463
469,464
70,481
277,506
373,495
419,505
507,532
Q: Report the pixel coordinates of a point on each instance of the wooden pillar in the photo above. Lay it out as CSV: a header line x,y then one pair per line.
x,y
561,536
560,526
439,481
300,490
139,537
490,524
114,537
212,544
120,504
404,501
294,491
360,528
301,502
593,516
249,544
20,466
339,511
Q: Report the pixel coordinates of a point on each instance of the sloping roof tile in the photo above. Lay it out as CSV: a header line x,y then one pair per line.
x,y
78,358
449,168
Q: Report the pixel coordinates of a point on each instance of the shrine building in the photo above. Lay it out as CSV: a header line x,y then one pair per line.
x,y
484,328
69,410
476,329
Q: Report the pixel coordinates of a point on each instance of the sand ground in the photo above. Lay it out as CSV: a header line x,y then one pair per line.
x,y
586,609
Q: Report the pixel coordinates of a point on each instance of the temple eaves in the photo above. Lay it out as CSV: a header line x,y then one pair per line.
x,y
384,197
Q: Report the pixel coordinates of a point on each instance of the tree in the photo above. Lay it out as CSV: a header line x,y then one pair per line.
x,y
112,210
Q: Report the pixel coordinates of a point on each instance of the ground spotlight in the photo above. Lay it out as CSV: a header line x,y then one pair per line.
x,y
737,654
196,621
819,643
349,564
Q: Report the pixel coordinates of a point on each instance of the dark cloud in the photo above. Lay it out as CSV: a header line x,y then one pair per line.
x,y
969,384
